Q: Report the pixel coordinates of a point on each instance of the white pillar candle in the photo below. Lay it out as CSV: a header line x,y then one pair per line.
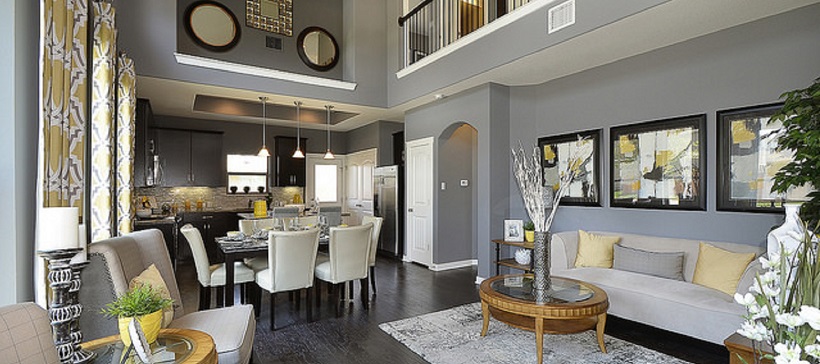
x,y
58,228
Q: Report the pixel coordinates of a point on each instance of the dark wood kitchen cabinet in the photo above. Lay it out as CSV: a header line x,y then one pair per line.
x,y
143,140
190,158
289,171
211,225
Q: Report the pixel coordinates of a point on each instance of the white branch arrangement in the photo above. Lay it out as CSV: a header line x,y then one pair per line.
x,y
538,197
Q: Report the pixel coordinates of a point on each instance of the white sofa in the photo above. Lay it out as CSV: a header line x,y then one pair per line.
x,y
678,306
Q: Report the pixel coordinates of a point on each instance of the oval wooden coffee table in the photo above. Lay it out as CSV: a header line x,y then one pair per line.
x,y
183,345
576,306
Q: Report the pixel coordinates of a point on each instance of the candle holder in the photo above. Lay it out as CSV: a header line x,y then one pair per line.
x,y
63,311
79,355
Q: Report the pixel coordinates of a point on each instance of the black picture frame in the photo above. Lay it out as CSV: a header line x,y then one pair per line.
x,y
679,169
745,143
189,27
591,195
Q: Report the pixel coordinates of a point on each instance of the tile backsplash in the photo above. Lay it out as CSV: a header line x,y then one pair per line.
x,y
217,197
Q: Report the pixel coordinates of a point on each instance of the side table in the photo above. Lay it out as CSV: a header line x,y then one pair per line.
x,y
510,262
183,345
741,352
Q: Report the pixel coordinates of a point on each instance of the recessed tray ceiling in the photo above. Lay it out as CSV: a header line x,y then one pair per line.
x,y
239,107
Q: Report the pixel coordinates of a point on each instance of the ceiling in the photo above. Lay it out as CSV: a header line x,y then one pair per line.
x,y
666,24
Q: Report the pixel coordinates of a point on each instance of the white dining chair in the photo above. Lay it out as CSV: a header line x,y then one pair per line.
x,y
212,275
333,214
248,227
293,258
347,260
374,245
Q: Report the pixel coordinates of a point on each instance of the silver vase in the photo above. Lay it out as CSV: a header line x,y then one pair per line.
x,y
541,267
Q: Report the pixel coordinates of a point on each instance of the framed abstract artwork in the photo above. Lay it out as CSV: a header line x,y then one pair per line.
x,y
555,151
748,160
659,164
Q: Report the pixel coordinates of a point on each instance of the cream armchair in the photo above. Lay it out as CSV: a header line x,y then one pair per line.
x,y
114,262
374,245
25,335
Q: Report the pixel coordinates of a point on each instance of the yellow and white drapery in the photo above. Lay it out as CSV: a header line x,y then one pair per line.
x,y
113,107
64,86
126,114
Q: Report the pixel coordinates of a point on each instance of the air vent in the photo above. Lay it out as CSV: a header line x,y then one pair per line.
x,y
561,16
273,43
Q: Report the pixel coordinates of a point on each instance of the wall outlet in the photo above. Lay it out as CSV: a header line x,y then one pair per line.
x,y
464,183
443,186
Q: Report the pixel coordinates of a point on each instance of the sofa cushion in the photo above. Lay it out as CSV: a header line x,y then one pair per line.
x,y
659,264
720,269
595,250
232,329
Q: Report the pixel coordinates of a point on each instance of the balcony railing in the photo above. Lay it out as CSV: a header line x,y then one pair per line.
x,y
434,24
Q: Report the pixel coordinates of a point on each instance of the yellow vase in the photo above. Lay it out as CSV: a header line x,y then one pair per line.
x,y
151,323
260,208
529,235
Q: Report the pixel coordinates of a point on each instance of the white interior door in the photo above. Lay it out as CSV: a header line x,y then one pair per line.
x,y
359,169
419,197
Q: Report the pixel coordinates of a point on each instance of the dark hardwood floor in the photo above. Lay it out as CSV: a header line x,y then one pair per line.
x,y
403,290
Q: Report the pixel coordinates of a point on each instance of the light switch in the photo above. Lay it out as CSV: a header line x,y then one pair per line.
x,y
443,186
464,183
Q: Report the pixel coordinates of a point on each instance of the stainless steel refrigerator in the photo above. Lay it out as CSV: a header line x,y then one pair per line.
x,y
386,204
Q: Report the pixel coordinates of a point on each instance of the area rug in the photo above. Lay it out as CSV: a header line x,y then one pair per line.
x,y
453,336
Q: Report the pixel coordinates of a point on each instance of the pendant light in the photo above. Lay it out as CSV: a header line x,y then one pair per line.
x,y
298,153
328,154
264,151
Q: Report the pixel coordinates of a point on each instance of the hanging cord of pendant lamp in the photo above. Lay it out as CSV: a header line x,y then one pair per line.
x,y
328,154
298,153
264,151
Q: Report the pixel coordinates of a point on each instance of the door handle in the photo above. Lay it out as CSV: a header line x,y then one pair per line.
x,y
410,210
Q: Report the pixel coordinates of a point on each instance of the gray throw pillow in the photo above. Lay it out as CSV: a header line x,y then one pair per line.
x,y
659,264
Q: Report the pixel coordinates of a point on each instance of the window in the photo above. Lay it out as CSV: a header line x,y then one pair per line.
x,y
247,173
325,182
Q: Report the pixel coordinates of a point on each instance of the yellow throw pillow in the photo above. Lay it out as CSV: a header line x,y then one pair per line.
x,y
595,250
720,269
151,277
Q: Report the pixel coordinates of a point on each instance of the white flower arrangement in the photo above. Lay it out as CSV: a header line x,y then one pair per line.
x,y
783,303
538,197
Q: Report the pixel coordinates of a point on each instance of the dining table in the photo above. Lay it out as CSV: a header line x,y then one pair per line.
x,y
237,249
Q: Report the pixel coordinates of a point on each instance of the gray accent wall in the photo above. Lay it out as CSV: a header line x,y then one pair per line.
x,y
251,48
485,108
375,135
457,156
19,95
743,66
148,28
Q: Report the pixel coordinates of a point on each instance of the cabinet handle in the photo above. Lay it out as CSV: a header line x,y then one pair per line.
x,y
207,217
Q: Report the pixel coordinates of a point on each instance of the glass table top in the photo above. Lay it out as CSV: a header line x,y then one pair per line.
x,y
167,349
562,290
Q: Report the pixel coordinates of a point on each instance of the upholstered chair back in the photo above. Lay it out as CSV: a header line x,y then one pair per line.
x,y
203,265
292,258
333,214
349,252
113,263
374,239
247,226
25,335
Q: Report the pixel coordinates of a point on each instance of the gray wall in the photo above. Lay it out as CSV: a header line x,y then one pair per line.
x,y
147,32
457,151
376,135
523,37
747,65
386,131
251,48
19,31
486,108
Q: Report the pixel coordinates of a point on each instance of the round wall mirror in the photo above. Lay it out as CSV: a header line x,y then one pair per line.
x,y
318,49
212,26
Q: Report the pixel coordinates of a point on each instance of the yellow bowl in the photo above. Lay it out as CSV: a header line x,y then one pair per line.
x,y
151,323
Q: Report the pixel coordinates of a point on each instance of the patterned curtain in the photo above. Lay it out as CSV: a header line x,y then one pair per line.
x,y
126,109
65,24
102,121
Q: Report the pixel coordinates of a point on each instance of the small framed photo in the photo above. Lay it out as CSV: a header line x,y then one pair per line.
x,y
514,230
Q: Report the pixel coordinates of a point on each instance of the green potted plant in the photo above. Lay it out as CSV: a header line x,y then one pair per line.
x,y
529,231
800,116
143,303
